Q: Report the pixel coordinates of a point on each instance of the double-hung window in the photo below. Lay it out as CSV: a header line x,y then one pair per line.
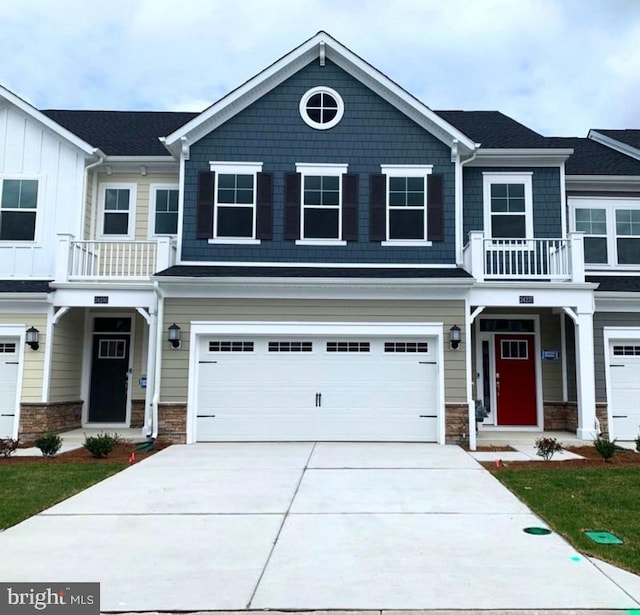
x,y
235,189
611,228
508,205
117,210
321,204
163,218
18,206
406,202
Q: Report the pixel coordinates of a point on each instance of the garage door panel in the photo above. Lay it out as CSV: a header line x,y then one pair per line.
x,y
363,393
8,386
625,391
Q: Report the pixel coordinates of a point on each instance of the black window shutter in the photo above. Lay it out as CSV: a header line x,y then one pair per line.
x,y
292,199
204,225
377,207
350,207
435,208
264,206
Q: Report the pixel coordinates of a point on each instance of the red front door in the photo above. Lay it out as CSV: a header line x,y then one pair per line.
x,y
515,380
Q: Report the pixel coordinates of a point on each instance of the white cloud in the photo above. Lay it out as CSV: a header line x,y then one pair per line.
x,y
551,64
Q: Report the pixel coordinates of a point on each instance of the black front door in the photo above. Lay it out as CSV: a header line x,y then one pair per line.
x,y
109,378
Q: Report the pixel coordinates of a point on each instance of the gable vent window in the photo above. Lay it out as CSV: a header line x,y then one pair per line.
x,y
290,346
7,347
626,351
321,108
230,346
406,347
348,347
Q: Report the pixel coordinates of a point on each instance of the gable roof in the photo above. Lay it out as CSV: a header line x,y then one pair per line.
x,y
626,141
64,133
122,133
319,47
494,129
592,158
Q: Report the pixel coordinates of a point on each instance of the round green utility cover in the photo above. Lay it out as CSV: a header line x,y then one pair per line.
x,y
537,531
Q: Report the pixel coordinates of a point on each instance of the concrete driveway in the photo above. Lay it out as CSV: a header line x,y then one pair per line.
x,y
308,526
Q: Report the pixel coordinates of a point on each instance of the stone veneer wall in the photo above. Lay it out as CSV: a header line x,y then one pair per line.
x,y
39,418
456,423
137,412
172,422
563,416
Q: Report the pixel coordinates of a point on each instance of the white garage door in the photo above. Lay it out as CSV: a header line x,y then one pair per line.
x,y
317,389
8,386
624,378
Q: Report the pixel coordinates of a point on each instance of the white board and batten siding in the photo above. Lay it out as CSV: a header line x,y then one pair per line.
x,y
30,150
316,381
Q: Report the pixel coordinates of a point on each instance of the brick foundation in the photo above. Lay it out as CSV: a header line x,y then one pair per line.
x,y
172,422
137,412
56,417
456,423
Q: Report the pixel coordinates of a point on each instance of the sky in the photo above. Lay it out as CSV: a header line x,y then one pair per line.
x,y
560,67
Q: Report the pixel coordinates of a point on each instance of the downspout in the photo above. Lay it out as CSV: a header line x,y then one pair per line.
x,y
158,360
459,220
93,165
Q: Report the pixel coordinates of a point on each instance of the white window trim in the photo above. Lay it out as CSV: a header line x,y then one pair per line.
x,y
526,178
406,170
153,190
610,205
133,195
323,170
235,168
36,231
318,90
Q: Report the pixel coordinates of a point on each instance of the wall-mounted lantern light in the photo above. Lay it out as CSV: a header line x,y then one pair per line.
x,y
32,338
454,337
174,335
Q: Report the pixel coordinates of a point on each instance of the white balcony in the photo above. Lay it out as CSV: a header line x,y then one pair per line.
x,y
90,260
556,259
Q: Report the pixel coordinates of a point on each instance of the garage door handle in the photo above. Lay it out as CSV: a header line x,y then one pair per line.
x,y
11,363
7,414
427,416
615,416
206,416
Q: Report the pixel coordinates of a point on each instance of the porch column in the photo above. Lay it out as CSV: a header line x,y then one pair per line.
x,y
152,322
585,376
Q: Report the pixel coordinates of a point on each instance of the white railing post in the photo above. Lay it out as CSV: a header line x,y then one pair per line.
x,y
63,256
163,254
576,240
476,254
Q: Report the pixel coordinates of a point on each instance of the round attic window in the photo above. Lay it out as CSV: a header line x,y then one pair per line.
x,y
321,108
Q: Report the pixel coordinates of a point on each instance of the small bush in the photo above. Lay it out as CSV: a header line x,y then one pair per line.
x,y
8,446
606,448
101,444
49,444
548,447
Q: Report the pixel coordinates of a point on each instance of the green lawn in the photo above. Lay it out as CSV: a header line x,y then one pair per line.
x,y
25,490
572,501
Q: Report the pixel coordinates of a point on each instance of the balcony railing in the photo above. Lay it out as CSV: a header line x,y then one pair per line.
x,y
556,259
112,260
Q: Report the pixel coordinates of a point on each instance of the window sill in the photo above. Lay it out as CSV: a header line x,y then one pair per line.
x,y
320,242
406,243
232,240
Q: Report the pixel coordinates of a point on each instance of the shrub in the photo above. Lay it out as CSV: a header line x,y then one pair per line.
x,y
8,446
547,447
606,448
101,444
49,444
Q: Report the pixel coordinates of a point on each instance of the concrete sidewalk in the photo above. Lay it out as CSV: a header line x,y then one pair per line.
x,y
303,526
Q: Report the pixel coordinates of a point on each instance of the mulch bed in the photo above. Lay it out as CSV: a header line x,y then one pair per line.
x,y
621,459
120,454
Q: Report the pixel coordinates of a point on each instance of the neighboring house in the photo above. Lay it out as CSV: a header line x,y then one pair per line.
x,y
332,259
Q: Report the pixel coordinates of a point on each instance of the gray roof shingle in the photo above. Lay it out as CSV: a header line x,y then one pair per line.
x,y
122,133
592,158
24,286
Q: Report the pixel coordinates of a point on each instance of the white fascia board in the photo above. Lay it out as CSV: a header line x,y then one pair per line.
x,y
579,296
40,117
491,157
617,302
138,164
288,65
615,144
612,183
